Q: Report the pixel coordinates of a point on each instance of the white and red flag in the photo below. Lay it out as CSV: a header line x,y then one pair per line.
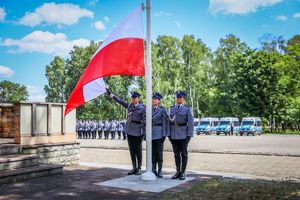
x,y
121,53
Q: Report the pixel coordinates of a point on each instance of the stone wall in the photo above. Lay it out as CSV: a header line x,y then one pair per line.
x,y
6,121
64,154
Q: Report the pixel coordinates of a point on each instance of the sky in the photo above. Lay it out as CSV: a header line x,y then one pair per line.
x,y
32,32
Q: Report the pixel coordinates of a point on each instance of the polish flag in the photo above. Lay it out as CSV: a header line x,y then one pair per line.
x,y
121,53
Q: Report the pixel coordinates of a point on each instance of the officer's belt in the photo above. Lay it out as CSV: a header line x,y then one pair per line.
x,y
179,124
157,124
135,122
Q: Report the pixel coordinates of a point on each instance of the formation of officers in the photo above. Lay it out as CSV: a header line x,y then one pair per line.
x,y
92,129
176,124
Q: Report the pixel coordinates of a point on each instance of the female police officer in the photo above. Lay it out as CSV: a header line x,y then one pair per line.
x,y
181,131
134,128
160,131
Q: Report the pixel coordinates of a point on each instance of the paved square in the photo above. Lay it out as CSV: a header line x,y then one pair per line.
x,y
135,183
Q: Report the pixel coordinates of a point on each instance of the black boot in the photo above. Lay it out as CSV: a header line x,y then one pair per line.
x,y
176,175
132,172
177,162
159,172
182,176
154,169
138,171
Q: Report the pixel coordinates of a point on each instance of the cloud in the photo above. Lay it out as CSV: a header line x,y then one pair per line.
x,y
52,13
296,15
241,7
44,42
6,71
93,3
2,14
36,93
281,18
99,25
178,24
105,19
162,13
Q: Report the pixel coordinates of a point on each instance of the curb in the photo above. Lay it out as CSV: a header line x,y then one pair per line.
x,y
191,172
202,151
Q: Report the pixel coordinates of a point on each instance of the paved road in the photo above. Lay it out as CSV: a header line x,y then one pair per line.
x,y
260,155
255,145
274,167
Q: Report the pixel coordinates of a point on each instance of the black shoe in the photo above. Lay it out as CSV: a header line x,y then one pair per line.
x,y
159,174
176,176
138,171
133,171
182,176
154,172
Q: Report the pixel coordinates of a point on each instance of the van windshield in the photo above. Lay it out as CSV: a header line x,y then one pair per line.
x,y
204,123
246,123
224,123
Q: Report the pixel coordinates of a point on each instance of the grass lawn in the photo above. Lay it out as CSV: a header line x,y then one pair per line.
x,y
219,189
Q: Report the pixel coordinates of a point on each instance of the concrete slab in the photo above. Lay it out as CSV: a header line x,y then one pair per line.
x,y
135,183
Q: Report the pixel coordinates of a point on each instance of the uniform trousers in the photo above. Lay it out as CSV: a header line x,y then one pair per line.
x,y
135,148
157,153
180,149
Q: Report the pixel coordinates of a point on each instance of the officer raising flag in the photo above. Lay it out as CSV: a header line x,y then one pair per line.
x,y
121,53
134,128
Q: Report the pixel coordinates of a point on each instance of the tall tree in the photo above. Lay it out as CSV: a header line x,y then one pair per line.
x,y
224,74
55,73
12,92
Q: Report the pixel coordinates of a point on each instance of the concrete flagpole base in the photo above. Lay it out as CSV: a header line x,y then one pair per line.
x,y
148,176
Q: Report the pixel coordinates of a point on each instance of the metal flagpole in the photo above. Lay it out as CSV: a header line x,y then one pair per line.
x,y
148,175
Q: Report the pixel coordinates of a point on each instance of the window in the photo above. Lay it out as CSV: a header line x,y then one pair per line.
x,y
247,123
216,123
222,123
258,123
236,123
204,123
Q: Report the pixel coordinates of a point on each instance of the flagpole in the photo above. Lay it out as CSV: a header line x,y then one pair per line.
x,y
148,175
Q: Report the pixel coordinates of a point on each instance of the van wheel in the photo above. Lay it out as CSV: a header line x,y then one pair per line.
x,y
241,134
218,133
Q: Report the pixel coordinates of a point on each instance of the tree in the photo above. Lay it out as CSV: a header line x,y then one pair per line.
x,y
224,73
55,73
12,92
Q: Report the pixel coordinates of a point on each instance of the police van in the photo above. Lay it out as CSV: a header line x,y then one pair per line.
x,y
251,125
196,122
207,125
226,125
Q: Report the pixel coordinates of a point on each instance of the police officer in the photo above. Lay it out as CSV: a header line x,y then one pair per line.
x,y
135,128
119,129
181,131
113,129
123,123
160,129
85,129
95,129
106,130
89,128
100,128
77,129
